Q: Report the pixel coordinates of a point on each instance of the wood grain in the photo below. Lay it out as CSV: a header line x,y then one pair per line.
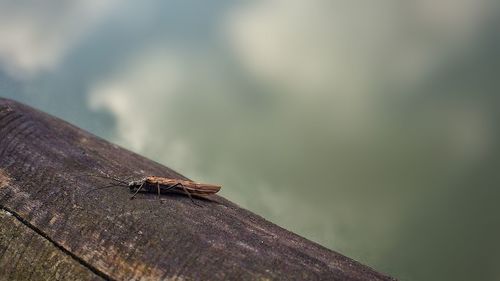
x,y
103,234
27,255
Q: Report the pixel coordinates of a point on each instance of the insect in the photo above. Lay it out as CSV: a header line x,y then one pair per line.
x,y
188,187
159,184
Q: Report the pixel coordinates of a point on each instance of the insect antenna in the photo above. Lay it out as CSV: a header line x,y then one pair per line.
x,y
102,187
123,182
118,182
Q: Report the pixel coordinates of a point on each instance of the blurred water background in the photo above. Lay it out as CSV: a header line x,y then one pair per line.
x,y
369,127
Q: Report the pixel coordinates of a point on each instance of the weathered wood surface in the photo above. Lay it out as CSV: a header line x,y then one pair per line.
x,y
27,255
50,229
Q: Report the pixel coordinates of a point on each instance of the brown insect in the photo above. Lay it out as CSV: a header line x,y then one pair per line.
x,y
159,184
183,186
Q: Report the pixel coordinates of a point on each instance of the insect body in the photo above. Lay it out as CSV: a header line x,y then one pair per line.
x,y
158,184
176,185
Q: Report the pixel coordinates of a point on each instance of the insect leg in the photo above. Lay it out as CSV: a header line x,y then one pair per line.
x,y
137,191
158,187
167,188
172,186
184,188
188,194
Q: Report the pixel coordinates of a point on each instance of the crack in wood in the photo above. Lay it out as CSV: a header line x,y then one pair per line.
x,y
57,245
